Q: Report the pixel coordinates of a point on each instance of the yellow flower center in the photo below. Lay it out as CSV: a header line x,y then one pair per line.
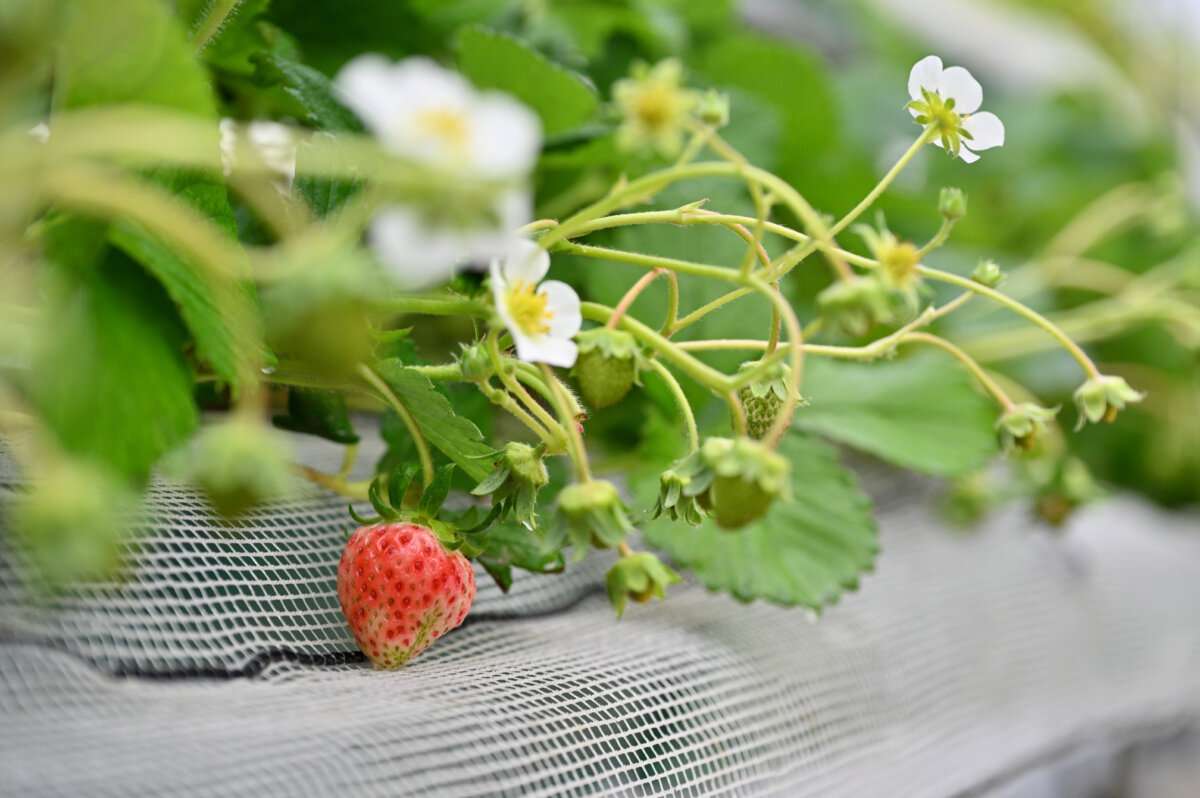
x,y
527,308
447,125
656,105
899,261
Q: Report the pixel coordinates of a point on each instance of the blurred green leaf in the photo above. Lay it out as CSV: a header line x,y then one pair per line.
x,y
109,377
210,318
561,98
806,551
921,412
308,87
135,52
455,436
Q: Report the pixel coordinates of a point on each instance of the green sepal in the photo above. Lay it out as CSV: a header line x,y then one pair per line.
x,y
399,483
379,501
435,493
640,576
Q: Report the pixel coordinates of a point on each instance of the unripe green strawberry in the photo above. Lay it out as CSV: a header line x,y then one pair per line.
x,y
401,590
606,367
747,477
763,398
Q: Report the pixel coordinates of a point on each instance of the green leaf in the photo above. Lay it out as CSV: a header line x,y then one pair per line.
x,y
806,551
310,88
512,545
921,412
109,377
562,98
320,413
134,51
212,308
455,436
239,38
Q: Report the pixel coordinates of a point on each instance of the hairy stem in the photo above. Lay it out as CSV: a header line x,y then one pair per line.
x,y
685,408
632,294
386,393
570,424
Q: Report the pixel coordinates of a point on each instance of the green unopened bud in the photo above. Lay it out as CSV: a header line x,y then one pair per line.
x,y
1102,397
238,463
595,515
988,273
71,523
1020,426
952,204
475,364
640,577
713,109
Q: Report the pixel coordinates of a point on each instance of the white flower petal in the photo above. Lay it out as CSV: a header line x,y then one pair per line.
x,y
563,303
525,261
506,138
425,85
366,87
415,256
925,74
547,349
958,83
967,155
986,131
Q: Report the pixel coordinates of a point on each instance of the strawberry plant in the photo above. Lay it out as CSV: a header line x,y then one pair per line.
x,y
607,286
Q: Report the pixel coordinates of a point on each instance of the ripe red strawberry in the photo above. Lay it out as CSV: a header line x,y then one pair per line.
x,y
400,590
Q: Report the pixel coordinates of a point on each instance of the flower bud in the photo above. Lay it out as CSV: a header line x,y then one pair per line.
x,y
988,273
475,363
70,524
238,463
713,109
952,204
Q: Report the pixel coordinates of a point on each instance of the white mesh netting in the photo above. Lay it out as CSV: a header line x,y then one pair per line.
x,y
221,666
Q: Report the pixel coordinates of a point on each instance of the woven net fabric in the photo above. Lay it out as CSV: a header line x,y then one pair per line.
x,y
220,666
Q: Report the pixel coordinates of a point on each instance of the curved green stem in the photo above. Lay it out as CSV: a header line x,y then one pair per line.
x,y
570,424
386,393
685,407
966,360
632,294
796,348
214,18
514,387
651,261
1050,327
700,372
436,306
926,136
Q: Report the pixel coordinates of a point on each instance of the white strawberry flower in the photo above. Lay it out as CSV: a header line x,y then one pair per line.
x,y
433,116
949,99
272,142
542,317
